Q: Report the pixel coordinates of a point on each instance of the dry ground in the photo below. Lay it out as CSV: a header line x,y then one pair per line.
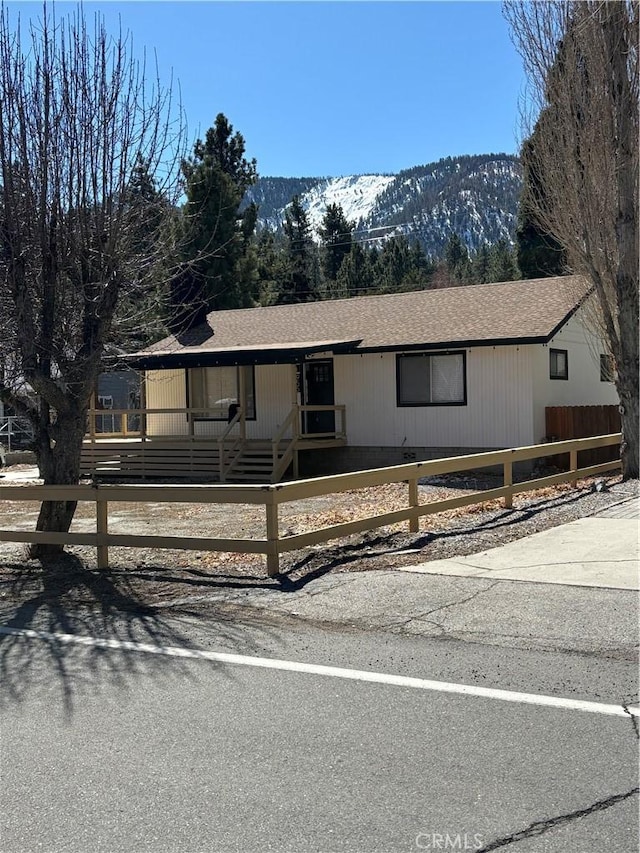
x,y
146,578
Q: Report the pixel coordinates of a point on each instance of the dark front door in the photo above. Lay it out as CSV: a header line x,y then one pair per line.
x,y
318,391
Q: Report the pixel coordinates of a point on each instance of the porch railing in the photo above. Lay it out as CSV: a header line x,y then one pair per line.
x,y
230,446
15,432
336,432
293,422
281,463
134,423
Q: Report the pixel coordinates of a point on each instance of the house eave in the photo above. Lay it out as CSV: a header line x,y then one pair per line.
x,y
254,355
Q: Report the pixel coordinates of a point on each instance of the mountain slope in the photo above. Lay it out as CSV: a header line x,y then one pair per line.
x,y
473,196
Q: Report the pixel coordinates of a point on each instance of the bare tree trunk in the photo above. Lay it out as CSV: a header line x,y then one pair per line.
x,y
90,152
627,385
582,62
60,465
626,231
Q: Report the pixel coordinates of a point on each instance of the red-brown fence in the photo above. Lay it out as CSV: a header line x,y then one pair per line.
x,y
567,422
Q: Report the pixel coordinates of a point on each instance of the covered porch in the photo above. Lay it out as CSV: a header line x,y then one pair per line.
x,y
218,416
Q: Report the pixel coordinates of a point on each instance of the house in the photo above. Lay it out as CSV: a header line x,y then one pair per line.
x,y
376,380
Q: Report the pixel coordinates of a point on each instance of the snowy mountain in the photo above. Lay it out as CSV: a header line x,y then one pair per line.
x,y
473,196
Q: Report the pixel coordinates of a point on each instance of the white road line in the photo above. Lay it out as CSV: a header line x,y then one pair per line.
x,y
331,671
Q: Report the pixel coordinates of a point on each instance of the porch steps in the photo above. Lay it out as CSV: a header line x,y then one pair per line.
x,y
255,464
182,458
176,458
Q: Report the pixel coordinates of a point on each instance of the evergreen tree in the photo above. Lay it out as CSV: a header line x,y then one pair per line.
x,y
481,265
502,263
456,257
300,284
139,315
354,275
271,267
539,254
218,269
336,233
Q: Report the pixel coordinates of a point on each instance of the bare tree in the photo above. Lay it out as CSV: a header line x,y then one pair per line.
x,y
581,59
79,119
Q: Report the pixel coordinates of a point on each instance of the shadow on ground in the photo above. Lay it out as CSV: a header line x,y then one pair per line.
x,y
144,603
61,598
369,552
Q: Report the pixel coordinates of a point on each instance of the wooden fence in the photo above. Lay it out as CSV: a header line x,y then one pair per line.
x,y
272,496
567,422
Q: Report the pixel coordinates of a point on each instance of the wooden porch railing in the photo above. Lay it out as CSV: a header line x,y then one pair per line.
x,y
281,463
228,455
271,497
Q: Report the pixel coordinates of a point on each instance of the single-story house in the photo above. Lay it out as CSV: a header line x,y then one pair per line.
x,y
379,380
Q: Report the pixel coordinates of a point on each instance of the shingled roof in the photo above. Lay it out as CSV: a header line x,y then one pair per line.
x,y
529,311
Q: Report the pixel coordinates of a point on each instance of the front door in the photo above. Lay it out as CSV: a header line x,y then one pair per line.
x,y
318,391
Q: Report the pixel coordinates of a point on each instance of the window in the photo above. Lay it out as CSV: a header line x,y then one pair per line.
x,y
216,388
558,364
431,380
607,368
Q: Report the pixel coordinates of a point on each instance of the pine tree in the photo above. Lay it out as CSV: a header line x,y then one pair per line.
x,y
502,263
354,276
140,313
539,254
215,233
336,233
301,280
481,265
456,257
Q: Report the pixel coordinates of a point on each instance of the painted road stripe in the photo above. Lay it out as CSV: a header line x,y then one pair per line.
x,y
331,671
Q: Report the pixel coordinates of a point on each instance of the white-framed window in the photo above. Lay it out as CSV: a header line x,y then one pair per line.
x,y
216,389
558,364
431,379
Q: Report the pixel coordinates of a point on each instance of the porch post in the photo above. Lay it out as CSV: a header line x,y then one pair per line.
x,y
92,418
143,406
242,396
296,425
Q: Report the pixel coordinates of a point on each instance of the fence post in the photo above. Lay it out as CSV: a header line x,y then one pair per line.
x,y
573,465
508,481
414,521
273,557
102,529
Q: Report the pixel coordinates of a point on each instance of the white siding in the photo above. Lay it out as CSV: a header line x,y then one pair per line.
x,y
583,387
166,389
498,413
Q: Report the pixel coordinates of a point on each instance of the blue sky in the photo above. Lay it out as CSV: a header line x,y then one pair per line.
x,y
335,88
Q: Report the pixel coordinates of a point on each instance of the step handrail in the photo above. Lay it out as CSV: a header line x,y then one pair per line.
x,y
234,450
279,465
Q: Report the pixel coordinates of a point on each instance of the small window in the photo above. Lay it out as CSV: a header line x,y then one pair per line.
x,y
215,389
607,368
558,364
431,380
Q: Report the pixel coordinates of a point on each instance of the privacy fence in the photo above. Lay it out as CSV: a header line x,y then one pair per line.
x,y
273,496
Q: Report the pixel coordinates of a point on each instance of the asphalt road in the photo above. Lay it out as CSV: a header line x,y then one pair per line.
x,y
119,749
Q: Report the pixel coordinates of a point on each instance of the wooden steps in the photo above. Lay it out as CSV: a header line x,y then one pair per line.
x,y
191,459
255,464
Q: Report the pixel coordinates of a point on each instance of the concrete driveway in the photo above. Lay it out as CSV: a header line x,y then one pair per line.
x,y
598,551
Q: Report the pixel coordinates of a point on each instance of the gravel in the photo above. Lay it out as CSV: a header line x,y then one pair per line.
x,y
153,577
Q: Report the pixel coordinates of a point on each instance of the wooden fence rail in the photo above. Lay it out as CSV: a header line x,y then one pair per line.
x,y
271,497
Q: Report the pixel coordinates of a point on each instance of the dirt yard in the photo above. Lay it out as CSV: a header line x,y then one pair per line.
x,y
156,578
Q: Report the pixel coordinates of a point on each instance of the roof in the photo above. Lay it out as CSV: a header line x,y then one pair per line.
x,y
513,312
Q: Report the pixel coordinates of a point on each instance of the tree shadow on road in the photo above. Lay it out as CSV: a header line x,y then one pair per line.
x,y
57,603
